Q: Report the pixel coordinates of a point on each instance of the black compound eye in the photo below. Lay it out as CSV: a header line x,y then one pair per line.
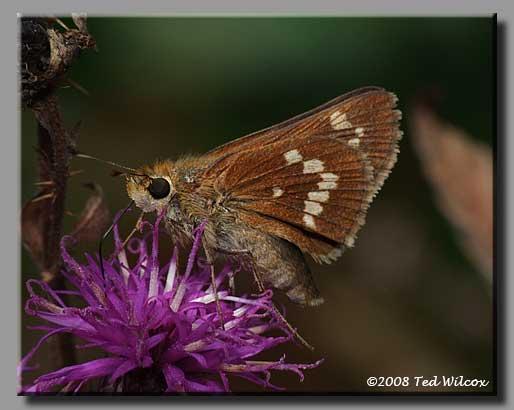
x,y
159,188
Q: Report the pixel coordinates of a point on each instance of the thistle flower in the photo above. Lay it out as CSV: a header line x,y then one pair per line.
x,y
159,328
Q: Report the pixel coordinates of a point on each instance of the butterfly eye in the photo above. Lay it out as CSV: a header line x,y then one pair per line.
x,y
159,188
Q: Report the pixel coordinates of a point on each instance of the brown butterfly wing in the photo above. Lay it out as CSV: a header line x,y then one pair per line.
x,y
278,131
367,113
310,180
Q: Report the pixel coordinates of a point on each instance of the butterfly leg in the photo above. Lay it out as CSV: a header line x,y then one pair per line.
x,y
232,284
293,330
234,252
210,262
136,228
247,255
255,267
260,285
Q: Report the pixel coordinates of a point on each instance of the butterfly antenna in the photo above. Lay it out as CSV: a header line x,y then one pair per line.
x,y
131,171
106,234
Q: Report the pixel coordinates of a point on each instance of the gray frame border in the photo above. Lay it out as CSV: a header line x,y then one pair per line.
x,y
10,161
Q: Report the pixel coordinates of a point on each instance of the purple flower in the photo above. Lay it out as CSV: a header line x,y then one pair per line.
x,y
159,329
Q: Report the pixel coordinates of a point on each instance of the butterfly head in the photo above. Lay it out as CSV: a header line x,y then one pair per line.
x,y
152,187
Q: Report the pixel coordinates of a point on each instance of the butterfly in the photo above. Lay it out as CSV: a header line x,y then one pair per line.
x,y
301,187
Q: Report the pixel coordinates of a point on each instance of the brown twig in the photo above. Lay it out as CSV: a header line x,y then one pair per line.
x,y
50,128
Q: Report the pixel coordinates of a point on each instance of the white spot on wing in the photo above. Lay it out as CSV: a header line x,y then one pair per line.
x,y
293,156
354,142
277,192
338,121
328,176
359,131
312,166
308,220
328,181
327,185
312,208
319,196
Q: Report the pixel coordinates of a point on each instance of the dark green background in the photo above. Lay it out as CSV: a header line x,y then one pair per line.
x,y
405,301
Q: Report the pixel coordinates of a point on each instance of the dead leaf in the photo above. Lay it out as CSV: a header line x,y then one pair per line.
x,y
95,217
460,170
80,20
34,220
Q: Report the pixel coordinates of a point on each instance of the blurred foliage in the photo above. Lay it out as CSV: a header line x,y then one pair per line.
x,y
404,301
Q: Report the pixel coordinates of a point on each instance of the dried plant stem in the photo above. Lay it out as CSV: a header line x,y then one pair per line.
x,y
51,129
47,54
53,145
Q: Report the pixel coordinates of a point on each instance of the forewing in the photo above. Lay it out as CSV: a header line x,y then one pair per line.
x,y
310,179
365,118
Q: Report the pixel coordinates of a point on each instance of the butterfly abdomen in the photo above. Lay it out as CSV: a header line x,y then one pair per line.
x,y
281,265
